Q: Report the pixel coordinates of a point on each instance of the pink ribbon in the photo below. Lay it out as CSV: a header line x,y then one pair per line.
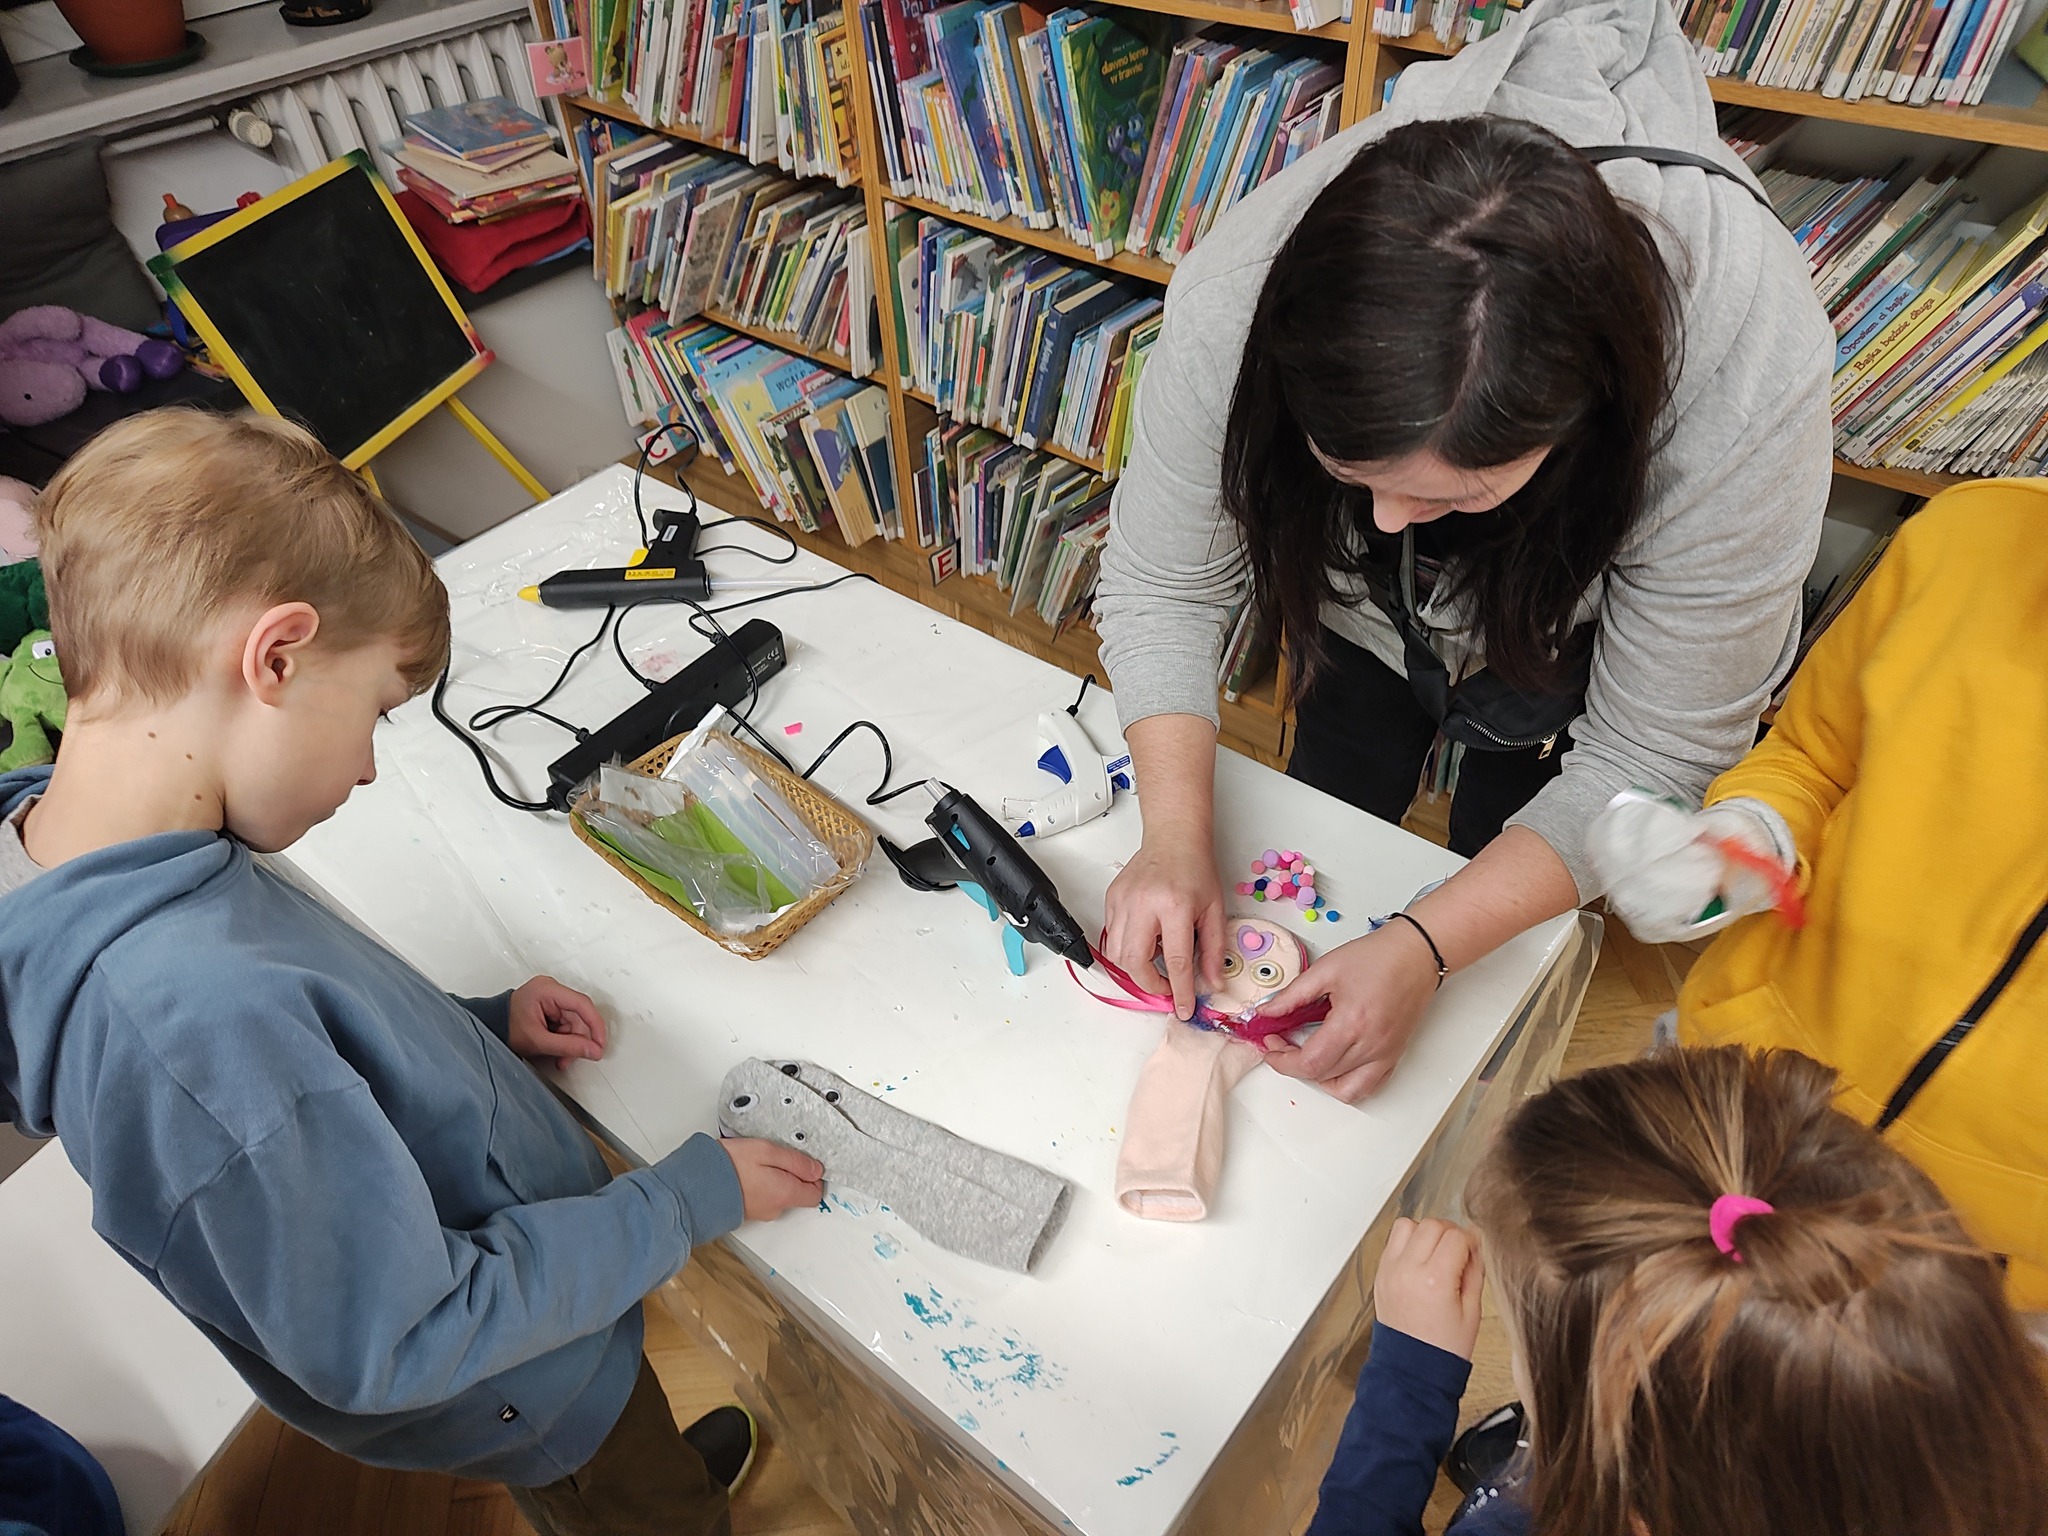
x,y
1259,1028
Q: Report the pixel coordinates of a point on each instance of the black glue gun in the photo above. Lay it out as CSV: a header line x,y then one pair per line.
x,y
973,851
667,568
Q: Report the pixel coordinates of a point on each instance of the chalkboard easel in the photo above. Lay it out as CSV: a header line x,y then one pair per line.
x,y
323,306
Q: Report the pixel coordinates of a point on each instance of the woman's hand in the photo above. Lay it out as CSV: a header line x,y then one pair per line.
x,y
1429,1284
1379,986
1168,901
551,1022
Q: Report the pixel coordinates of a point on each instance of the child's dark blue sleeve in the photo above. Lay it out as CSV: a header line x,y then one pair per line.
x,y
1400,1427
494,1013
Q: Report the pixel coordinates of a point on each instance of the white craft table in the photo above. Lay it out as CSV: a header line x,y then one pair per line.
x,y
1150,1378
90,1345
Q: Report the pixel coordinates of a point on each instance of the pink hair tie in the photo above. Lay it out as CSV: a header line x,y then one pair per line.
x,y
1726,1211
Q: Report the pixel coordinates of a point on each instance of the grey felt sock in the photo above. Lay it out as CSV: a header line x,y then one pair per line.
x,y
963,1197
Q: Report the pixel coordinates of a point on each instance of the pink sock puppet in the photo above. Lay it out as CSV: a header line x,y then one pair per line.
x,y
1172,1151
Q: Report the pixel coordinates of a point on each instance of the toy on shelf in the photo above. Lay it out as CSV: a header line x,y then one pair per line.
x,y
1285,874
51,357
32,701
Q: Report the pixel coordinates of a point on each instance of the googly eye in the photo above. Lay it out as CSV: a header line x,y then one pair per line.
x,y
799,1135
1266,973
744,1101
1232,964
43,650
831,1095
789,1101
790,1069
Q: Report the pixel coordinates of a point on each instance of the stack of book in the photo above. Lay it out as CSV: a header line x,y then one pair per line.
x,y
1233,114
1003,336
1093,123
813,443
1910,51
1939,316
482,160
1948,384
767,79
689,230
1034,522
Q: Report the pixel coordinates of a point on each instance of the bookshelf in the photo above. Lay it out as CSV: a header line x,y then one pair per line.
x,y
1257,723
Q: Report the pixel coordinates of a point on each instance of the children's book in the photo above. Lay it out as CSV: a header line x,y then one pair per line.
x,y
473,130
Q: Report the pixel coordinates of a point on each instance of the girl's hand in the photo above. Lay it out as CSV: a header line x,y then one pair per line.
x,y
1379,986
552,1022
1168,901
1429,1284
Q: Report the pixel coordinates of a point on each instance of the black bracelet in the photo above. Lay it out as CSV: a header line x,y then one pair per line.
x,y
1435,954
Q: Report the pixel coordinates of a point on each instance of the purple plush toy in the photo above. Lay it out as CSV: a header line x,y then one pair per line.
x,y
50,356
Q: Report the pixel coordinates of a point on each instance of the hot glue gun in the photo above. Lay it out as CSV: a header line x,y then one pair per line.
x,y
971,850
1088,780
667,568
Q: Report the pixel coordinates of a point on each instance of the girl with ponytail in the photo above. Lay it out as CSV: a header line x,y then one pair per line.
x,y
1733,1309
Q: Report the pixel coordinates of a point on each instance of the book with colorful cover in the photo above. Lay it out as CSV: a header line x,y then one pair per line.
x,y
471,130
1114,67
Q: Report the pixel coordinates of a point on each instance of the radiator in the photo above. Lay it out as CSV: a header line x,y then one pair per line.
x,y
360,107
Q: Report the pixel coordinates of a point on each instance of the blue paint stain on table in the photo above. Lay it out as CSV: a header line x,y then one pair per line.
x,y
1138,1474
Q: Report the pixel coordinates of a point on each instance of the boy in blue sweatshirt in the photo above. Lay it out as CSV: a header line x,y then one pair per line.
x,y
348,1180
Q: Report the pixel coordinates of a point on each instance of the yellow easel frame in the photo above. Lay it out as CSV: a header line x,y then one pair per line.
x,y
166,269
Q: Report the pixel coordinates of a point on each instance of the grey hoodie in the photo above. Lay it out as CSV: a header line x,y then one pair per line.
x,y
1699,614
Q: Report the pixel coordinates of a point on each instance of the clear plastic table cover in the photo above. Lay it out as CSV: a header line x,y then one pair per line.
x,y
1149,1374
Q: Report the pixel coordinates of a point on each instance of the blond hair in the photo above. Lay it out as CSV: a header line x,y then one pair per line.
x,y
1858,1370
171,518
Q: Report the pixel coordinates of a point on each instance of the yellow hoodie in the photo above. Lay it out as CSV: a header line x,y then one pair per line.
x,y
1911,762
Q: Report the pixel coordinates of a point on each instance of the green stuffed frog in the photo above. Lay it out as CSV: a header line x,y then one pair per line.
x,y
31,701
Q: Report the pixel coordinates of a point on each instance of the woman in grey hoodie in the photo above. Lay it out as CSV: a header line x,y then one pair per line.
x,y
1536,289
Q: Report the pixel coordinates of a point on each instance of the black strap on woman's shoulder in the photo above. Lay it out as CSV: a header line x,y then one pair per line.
x,y
1654,155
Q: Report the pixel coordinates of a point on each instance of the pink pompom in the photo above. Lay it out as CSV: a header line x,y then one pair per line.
x,y
1258,866
1244,887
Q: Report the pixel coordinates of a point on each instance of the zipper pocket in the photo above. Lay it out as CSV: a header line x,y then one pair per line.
x,y
1547,743
1939,1052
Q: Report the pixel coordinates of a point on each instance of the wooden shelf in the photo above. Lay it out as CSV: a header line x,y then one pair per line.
x,y
1094,466
1913,482
1150,268
1423,41
787,341
1267,15
2021,127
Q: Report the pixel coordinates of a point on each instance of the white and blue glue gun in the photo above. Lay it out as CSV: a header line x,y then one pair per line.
x,y
1088,780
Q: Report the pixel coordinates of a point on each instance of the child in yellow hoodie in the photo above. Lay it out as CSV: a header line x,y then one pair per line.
x,y
1905,785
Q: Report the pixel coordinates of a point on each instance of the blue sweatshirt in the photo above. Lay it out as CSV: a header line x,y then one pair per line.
x,y
343,1176
1397,1434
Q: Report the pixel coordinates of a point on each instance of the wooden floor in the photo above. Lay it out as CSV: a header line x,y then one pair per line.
x,y
273,1481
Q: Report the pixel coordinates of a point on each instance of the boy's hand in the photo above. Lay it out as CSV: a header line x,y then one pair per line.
x,y
552,1022
774,1178
1429,1284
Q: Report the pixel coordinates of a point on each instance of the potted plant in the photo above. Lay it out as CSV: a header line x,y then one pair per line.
x,y
130,37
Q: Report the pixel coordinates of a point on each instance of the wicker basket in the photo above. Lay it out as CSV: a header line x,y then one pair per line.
x,y
850,839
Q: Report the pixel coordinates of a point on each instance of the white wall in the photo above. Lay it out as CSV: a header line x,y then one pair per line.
x,y
550,398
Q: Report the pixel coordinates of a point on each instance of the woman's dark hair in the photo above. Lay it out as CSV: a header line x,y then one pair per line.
x,y
1470,287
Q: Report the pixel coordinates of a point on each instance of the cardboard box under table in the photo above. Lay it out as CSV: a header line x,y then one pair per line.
x,y
1149,1378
